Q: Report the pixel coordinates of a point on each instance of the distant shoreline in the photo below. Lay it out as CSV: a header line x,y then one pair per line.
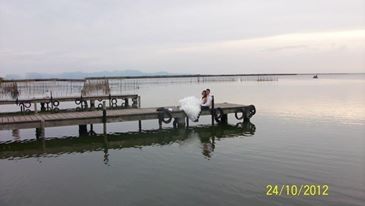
x,y
171,76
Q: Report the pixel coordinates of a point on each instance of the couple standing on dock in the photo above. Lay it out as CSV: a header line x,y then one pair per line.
x,y
206,100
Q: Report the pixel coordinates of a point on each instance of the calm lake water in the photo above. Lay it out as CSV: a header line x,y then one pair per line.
x,y
305,131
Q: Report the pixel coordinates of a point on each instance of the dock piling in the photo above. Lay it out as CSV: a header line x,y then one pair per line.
x,y
140,125
91,131
159,124
92,104
43,108
212,110
126,102
224,119
35,108
83,130
180,122
104,117
39,132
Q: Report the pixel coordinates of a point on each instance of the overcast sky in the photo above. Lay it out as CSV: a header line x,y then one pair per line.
x,y
187,36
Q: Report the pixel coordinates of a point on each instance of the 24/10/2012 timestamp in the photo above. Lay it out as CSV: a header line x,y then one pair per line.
x,y
297,190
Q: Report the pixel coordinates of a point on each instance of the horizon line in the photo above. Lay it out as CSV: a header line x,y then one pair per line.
x,y
179,76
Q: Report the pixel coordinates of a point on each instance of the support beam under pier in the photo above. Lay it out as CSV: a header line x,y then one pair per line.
x,y
83,130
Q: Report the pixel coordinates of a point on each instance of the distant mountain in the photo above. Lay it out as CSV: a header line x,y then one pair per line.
x,y
80,75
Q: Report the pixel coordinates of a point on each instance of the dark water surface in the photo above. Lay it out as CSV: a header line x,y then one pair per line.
x,y
305,131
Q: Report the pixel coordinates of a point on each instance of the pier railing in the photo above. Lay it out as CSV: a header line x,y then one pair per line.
x,y
52,104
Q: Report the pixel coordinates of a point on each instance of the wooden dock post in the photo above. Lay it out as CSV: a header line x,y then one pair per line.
x,y
92,104
39,132
212,110
140,125
104,117
35,108
180,121
91,131
224,119
43,108
159,124
126,102
82,130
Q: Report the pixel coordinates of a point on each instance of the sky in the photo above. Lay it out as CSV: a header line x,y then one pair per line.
x,y
187,36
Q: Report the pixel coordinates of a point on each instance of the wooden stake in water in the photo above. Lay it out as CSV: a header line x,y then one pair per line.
x,y
140,125
104,117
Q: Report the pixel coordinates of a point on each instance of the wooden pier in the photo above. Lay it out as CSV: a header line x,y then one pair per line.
x,y
82,118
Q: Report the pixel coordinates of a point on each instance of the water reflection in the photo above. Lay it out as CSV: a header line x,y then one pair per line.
x,y
106,150
207,135
16,135
208,146
208,141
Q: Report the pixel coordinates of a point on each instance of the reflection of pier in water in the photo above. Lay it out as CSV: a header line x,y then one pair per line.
x,y
54,147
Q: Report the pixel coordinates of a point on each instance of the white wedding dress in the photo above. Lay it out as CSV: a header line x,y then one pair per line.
x,y
191,107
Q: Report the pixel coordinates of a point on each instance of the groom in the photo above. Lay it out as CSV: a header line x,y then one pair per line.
x,y
208,104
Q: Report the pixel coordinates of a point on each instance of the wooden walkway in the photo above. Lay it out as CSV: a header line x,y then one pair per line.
x,y
42,120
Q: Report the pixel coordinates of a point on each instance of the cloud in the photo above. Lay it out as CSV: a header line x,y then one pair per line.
x,y
353,40
333,51
191,35
286,48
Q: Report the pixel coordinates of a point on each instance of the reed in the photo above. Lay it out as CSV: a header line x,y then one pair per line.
x,y
9,88
267,78
95,87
